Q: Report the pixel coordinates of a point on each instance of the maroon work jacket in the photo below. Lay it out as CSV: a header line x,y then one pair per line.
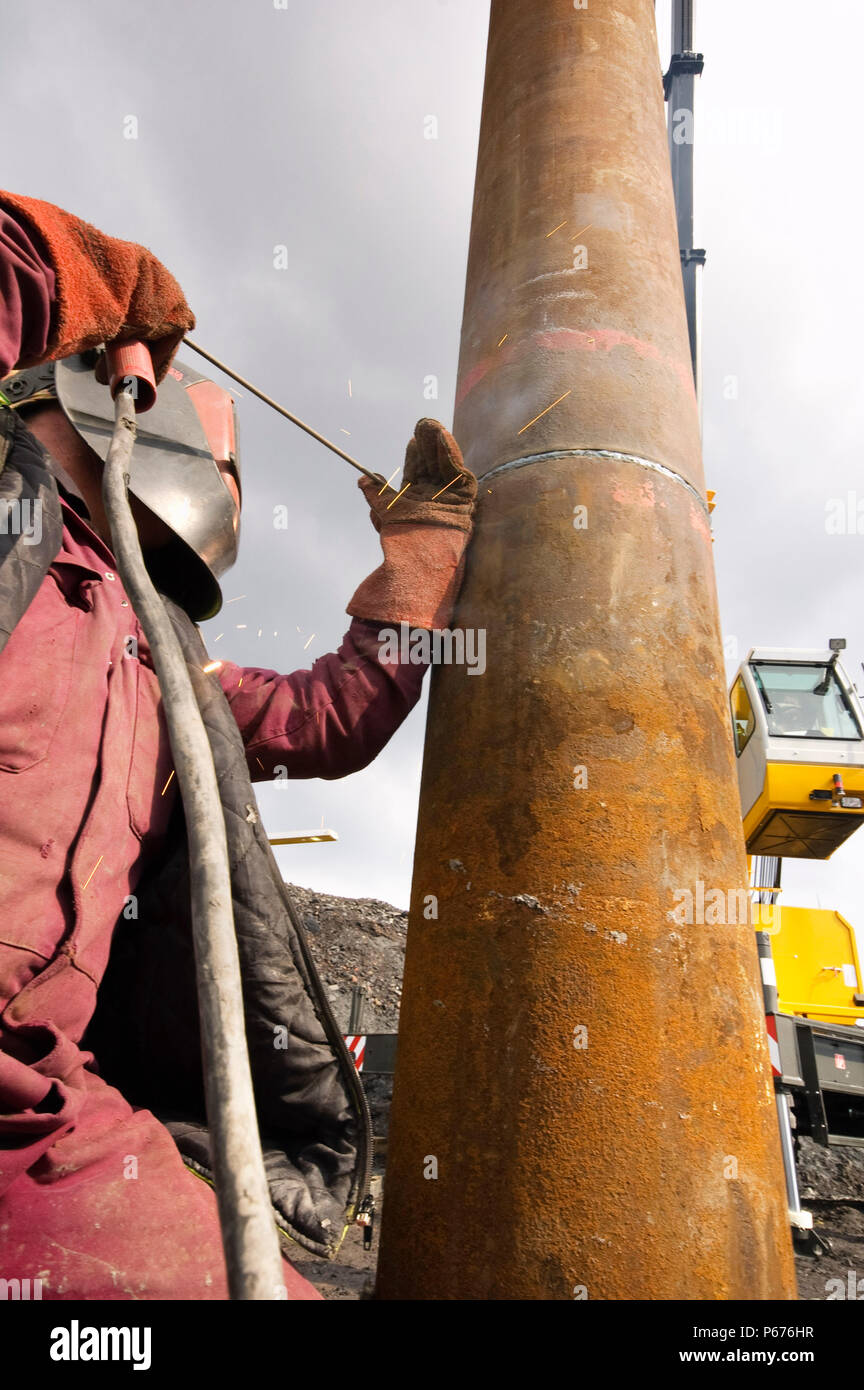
x,y
94,1198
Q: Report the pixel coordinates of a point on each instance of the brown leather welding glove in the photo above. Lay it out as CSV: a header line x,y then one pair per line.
x,y
106,289
424,536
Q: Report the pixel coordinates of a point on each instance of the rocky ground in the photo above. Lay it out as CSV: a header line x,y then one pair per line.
x,y
357,941
361,941
825,1177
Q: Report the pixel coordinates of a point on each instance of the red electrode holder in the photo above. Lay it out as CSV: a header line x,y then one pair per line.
x,y
130,364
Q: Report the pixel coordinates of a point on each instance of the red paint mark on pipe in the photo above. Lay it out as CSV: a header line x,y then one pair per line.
x,y
700,523
575,340
478,372
635,494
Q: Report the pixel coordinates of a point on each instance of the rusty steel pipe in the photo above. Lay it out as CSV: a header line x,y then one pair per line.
x,y
583,1102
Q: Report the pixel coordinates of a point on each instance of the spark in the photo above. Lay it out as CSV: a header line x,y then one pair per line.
x,y
240,626
306,644
506,335
584,229
168,783
240,682
398,495
235,600
390,479
445,487
344,431
543,412
219,638
260,630
92,871
260,764
211,666
557,229
349,386
275,634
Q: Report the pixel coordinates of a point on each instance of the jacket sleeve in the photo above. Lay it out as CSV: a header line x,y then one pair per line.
x,y
327,722
27,289
104,289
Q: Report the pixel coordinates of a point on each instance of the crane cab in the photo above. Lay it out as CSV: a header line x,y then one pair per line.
x,y
798,728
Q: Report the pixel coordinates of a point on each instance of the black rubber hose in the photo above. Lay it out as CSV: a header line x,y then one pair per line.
x,y
249,1235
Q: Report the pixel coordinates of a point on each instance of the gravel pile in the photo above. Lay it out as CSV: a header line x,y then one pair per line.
x,y
359,941
356,941
835,1172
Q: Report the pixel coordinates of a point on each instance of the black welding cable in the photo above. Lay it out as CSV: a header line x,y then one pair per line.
x,y
249,1236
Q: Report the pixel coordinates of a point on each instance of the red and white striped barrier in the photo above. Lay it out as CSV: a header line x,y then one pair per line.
x,y
773,1045
356,1045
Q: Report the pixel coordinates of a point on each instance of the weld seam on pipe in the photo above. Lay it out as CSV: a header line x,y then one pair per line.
x,y
527,459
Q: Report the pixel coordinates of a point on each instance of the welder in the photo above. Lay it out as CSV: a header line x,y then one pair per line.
x,y
99,1198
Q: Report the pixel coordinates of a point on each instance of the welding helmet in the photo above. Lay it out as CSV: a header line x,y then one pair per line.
x,y
184,466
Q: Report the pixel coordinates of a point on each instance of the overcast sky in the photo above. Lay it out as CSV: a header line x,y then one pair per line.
x,y
254,127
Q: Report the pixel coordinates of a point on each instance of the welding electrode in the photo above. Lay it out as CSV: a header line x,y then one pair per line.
x,y
268,400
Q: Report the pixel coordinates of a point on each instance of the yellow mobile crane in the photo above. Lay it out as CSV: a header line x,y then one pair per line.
x,y
798,728
797,723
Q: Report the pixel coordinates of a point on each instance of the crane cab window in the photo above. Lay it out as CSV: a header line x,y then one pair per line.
x,y
804,700
743,721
